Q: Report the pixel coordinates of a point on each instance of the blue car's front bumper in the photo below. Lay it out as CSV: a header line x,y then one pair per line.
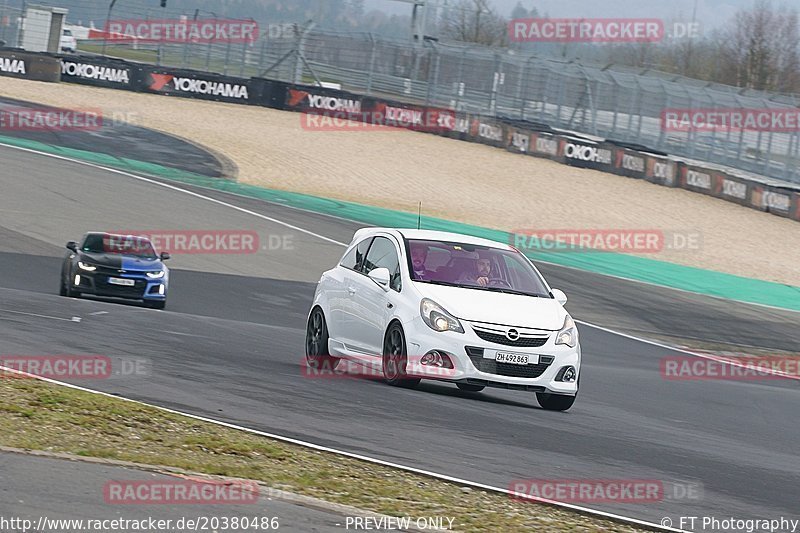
x,y
101,283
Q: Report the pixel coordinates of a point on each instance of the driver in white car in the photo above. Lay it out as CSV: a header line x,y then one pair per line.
x,y
481,273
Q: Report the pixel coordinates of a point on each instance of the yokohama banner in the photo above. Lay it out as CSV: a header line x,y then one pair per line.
x,y
661,170
192,84
101,72
407,116
322,101
775,200
586,154
487,131
630,163
698,179
732,189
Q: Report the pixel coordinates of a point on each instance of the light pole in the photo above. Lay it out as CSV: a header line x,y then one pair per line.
x,y
416,30
108,22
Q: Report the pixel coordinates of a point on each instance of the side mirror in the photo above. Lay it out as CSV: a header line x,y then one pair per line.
x,y
72,245
559,295
165,256
381,277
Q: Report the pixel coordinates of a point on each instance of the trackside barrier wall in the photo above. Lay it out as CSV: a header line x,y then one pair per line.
x,y
101,72
29,65
732,188
629,163
776,200
515,136
796,207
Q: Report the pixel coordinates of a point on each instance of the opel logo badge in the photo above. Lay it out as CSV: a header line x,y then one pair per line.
x,y
512,334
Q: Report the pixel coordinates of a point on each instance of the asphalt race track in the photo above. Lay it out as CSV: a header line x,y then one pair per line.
x,y
70,490
230,347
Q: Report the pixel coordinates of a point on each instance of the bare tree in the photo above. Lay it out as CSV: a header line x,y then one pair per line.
x,y
474,21
759,50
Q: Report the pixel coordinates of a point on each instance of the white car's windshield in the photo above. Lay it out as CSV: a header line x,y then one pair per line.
x,y
473,267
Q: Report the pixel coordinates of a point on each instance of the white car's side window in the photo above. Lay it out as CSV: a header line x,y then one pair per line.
x,y
383,254
354,259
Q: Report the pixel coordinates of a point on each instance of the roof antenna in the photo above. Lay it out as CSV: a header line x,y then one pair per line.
x,y
419,216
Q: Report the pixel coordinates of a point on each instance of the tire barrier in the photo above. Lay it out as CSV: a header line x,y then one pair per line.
x,y
528,138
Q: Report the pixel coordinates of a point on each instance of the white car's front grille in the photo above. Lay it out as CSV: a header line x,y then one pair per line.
x,y
511,336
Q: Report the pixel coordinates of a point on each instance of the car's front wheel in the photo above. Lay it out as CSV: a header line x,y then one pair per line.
x,y
65,289
395,358
317,354
555,402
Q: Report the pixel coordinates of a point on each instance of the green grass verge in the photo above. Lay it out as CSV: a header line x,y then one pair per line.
x,y
37,415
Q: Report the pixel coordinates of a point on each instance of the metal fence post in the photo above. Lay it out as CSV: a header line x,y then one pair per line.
x,y
430,97
373,53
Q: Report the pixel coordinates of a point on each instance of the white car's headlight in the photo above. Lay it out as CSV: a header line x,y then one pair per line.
x,y
156,275
437,318
568,334
86,266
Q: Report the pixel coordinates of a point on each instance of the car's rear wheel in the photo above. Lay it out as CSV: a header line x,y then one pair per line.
x,y
395,358
470,388
317,354
555,402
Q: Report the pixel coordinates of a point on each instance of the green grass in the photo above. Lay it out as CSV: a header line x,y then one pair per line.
x,y
41,416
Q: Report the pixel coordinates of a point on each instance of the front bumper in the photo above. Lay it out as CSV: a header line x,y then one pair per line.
x,y
97,284
473,359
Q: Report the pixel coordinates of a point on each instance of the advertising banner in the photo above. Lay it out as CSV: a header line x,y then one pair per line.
x,y
193,84
584,153
101,72
661,170
30,66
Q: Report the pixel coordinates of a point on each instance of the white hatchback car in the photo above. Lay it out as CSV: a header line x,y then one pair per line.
x,y
420,304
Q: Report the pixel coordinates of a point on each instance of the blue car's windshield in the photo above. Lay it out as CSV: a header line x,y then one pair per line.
x,y
119,244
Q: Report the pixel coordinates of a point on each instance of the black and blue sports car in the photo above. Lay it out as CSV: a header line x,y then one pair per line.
x,y
118,266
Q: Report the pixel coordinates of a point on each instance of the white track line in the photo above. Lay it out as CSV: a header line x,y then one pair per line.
x,y
311,445
174,188
40,316
711,357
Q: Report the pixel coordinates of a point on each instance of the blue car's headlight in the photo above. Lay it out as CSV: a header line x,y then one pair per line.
x,y
155,275
86,266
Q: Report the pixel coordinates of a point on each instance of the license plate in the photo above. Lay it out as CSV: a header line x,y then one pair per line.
x,y
123,282
517,358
